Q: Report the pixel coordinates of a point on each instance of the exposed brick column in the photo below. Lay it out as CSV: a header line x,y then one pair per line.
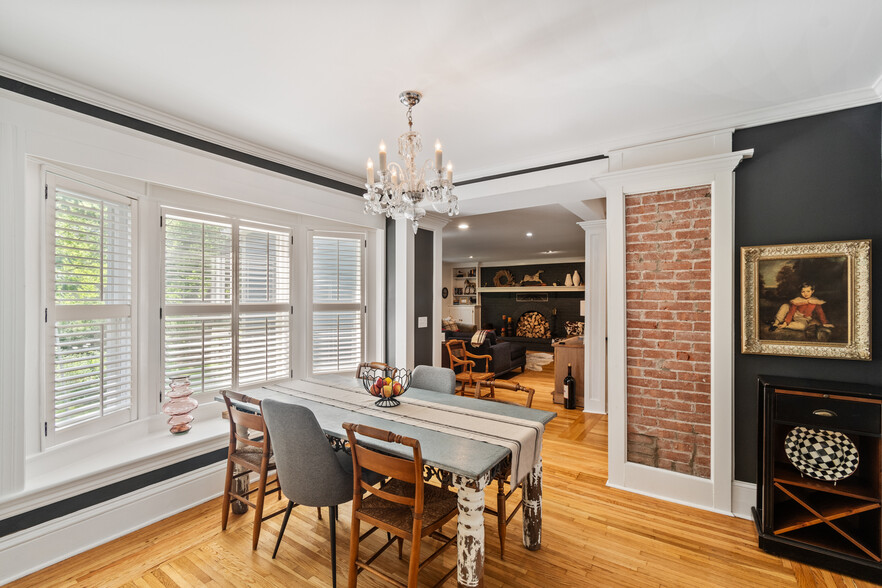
x,y
668,259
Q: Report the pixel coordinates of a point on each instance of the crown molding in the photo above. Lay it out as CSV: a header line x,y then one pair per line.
x,y
665,176
78,91
741,120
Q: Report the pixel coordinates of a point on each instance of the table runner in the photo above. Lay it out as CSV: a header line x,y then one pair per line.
x,y
523,438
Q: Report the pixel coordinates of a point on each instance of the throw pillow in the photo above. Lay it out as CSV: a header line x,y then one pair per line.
x,y
448,324
574,328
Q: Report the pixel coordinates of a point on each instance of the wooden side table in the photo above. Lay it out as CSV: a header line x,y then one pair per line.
x,y
572,351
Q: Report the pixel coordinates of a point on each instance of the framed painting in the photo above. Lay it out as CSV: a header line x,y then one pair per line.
x,y
806,300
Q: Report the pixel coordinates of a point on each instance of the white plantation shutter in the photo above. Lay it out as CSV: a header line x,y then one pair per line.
x,y
264,266
198,261
264,336
198,309
91,289
227,301
337,310
264,346
200,347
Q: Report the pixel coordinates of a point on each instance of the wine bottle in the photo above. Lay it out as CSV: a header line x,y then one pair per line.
x,y
569,388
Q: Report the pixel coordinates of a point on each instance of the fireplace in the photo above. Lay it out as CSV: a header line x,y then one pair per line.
x,y
533,325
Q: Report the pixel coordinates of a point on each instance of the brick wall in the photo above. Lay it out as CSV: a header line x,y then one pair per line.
x,y
668,329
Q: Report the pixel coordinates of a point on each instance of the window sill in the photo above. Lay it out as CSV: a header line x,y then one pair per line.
x,y
80,466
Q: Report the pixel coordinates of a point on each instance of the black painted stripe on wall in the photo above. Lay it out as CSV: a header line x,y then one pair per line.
x,y
170,135
70,505
531,170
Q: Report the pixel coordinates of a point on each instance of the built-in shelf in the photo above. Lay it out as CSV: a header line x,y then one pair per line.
x,y
503,289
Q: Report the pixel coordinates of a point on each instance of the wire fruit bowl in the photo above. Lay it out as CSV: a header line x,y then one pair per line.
x,y
386,384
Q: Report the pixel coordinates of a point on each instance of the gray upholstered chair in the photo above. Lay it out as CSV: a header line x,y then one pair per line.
x,y
438,379
310,471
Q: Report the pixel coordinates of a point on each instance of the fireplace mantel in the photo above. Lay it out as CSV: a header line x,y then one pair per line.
x,y
504,289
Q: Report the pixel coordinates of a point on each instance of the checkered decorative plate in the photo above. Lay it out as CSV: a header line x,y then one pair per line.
x,y
821,454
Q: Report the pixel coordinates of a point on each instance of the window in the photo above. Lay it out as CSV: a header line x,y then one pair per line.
x,y
90,293
337,307
227,301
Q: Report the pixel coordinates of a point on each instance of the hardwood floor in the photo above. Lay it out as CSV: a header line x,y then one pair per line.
x,y
592,536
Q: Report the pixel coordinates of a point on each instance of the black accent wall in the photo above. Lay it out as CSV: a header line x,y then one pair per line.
x,y
812,179
390,292
423,295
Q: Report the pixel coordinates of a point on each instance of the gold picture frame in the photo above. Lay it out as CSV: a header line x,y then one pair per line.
x,y
807,300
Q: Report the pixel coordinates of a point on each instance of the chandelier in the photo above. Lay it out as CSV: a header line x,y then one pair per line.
x,y
401,192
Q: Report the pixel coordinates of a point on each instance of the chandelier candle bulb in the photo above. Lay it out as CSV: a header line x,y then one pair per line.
x,y
382,156
438,155
449,171
394,178
370,171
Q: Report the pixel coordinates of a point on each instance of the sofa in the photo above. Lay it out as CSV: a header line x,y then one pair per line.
x,y
505,356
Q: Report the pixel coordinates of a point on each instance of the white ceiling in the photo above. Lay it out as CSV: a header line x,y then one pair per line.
x,y
502,236
507,84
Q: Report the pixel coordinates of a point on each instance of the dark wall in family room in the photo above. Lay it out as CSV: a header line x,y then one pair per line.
x,y
812,179
423,290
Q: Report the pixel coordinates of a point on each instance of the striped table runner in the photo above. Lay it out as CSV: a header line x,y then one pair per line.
x,y
522,437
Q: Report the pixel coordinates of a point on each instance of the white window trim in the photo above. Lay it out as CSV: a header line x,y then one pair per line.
x,y
49,437
313,307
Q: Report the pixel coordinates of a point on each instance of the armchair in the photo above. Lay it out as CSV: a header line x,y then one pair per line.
x,y
461,359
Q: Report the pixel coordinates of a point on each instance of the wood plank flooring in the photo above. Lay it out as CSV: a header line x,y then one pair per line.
x,y
591,536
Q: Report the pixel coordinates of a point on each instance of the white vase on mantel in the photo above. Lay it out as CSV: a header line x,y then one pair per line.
x,y
569,280
577,279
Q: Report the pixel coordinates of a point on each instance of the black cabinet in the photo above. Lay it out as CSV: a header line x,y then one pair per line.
x,y
819,480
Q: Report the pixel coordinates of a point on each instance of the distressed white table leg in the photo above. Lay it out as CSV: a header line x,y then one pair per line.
x,y
470,530
533,508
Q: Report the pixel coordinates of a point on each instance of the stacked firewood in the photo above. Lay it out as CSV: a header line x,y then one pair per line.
x,y
533,324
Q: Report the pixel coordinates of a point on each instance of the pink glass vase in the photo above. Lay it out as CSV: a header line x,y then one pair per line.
x,y
179,405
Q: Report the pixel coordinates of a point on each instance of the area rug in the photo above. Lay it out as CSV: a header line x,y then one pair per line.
x,y
535,361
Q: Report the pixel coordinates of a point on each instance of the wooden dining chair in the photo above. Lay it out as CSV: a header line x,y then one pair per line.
x,y
250,455
377,365
404,506
310,471
465,362
504,478
487,391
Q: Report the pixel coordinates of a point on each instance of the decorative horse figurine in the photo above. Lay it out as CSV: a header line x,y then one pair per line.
x,y
534,277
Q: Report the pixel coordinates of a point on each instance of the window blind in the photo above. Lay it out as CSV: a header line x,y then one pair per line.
x,y
337,317
91,287
227,301
264,328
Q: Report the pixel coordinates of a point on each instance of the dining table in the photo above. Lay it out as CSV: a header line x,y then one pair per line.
x,y
466,443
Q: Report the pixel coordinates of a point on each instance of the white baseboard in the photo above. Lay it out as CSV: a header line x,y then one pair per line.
x,y
38,547
743,499
675,487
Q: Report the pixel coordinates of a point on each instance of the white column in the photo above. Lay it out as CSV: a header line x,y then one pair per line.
x,y
595,316
12,301
403,285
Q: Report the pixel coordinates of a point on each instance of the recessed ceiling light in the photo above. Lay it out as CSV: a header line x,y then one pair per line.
x,y
529,234
471,256
549,252
463,225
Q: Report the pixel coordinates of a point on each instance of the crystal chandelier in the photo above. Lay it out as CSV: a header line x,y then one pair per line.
x,y
400,192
